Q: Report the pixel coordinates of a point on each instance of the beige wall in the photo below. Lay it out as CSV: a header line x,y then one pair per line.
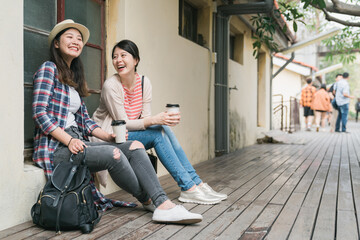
x,y
243,106
179,69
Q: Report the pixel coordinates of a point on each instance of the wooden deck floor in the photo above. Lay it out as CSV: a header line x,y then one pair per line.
x,y
276,191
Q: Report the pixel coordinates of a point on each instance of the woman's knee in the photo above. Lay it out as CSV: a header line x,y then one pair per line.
x,y
116,154
136,145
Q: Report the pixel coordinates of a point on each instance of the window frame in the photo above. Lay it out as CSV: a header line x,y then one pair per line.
x,y
194,23
60,16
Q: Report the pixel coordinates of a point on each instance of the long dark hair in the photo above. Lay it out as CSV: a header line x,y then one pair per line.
x,y
130,47
73,76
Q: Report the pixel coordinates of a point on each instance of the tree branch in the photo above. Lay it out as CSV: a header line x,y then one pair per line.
x,y
334,19
336,6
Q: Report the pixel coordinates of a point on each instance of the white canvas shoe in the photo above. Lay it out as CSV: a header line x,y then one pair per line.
x,y
207,189
177,214
198,196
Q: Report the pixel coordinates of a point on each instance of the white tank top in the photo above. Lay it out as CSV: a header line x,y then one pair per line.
x,y
75,103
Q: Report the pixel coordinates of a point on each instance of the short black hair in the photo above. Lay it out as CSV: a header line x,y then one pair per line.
x,y
339,74
309,80
345,75
130,47
323,86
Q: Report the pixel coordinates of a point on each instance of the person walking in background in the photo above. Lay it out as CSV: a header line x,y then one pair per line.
x,y
335,111
342,98
357,109
321,105
307,94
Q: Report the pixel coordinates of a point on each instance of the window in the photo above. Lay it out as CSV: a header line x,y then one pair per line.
x,y
39,18
187,21
194,21
237,48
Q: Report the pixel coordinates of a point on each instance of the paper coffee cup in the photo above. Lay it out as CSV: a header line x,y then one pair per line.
x,y
174,108
119,128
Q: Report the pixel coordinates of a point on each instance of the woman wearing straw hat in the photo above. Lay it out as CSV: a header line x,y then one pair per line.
x,y
63,127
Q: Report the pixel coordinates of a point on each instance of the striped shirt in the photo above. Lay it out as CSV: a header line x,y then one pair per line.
x,y
133,100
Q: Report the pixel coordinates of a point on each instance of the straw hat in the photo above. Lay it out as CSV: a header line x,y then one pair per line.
x,y
68,23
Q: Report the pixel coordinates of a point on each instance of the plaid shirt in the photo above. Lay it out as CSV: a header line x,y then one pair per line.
x,y
307,95
51,100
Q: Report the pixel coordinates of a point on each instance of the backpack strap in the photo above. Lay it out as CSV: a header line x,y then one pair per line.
x,y
87,228
142,89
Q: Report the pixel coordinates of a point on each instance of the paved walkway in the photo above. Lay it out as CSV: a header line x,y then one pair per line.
x,y
276,191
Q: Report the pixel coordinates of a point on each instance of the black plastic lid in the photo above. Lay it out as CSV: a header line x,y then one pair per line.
x,y
169,105
117,122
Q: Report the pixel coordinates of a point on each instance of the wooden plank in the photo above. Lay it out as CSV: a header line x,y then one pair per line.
x,y
346,220
208,232
305,221
325,226
282,226
262,224
355,175
15,229
346,225
238,227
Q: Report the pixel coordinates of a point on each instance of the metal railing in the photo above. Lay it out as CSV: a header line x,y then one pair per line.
x,y
286,114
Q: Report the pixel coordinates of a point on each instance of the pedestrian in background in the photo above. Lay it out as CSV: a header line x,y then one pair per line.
x,y
321,105
357,109
307,94
335,112
342,98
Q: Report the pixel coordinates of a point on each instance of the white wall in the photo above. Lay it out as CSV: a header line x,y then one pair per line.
x,y
19,185
287,83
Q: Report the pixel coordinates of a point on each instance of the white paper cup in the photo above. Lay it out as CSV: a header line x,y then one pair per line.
x,y
119,128
172,108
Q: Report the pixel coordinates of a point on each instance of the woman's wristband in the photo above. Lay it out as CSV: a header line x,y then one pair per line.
x,y
70,141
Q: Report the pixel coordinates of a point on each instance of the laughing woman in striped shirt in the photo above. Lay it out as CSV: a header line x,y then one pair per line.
x,y
127,96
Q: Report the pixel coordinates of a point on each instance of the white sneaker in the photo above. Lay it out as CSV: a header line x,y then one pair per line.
x,y
177,214
207,189
150,207
198,196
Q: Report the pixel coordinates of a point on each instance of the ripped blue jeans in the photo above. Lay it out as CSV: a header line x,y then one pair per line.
x,y
170,153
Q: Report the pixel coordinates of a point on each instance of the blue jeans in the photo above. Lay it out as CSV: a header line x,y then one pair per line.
x,y
170,153
343,117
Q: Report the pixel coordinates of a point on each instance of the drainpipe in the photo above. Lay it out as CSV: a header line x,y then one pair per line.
x,y
221,72
211,61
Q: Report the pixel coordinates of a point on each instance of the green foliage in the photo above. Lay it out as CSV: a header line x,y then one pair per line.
x,y
266,26
320,3
343,45
265,29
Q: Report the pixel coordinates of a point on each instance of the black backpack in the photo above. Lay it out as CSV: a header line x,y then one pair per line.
x,y
66,201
